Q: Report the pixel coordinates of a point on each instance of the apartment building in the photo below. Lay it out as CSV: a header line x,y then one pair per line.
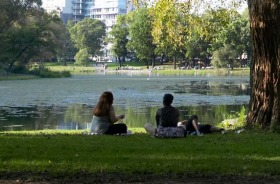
x,y
107,11
81,9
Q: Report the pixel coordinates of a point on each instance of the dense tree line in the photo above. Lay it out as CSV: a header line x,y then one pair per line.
x,y
163,32
170,31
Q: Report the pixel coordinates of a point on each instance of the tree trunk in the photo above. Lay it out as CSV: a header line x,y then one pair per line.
x,y
265,29
120,62
174,62
154,61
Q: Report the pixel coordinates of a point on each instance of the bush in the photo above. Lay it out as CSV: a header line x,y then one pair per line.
x,y
234,121
82,57
20,69
46,73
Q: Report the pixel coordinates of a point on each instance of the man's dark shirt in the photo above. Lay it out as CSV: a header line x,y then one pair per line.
x,y
167,116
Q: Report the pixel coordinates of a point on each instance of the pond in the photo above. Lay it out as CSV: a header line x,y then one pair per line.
x,y
67,103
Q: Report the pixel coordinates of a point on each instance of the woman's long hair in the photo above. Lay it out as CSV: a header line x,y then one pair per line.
x,y
104,104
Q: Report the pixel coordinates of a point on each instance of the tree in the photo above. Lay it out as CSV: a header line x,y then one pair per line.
x,y
198,47
14,10
264,106
237,35
26,32
88,34
12,13
118,37
171,27
54,40
140,34
82,57
225,57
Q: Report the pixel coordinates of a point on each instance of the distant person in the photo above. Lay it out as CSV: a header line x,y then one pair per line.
x,y
104,119
167,119
194,128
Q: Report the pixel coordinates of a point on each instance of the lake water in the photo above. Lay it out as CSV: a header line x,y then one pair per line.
x,y
66,103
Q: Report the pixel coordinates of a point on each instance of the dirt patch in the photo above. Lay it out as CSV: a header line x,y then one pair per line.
x,y
81,178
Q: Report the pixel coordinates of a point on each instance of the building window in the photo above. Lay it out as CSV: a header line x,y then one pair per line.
x,y
97,10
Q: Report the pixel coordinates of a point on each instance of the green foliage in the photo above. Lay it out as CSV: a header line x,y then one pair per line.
x,y
234,121
170,26
19,69
213,22
225,57
118,37
82,57
88,34
71,67
27,33
141,40
197,48
237,35
46,73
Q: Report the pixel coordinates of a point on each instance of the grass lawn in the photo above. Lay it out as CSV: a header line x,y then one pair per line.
x,y
64,153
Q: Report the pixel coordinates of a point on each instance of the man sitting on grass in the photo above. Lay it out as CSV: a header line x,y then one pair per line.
x,y
167,119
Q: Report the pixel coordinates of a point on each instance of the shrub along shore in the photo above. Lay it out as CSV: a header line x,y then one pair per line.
x,y
72,156
166,69
56,70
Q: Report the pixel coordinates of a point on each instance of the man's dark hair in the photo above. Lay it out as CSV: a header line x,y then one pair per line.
x,y
167,99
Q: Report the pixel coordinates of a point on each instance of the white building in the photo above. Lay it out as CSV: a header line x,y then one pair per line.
x,y
107,11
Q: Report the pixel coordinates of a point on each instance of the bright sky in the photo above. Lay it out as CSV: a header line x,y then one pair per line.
x,y
243,7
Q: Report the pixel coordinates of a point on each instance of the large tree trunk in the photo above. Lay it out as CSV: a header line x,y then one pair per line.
x,y
265,31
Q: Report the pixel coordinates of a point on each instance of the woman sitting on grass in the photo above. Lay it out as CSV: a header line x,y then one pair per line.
x,y
104,117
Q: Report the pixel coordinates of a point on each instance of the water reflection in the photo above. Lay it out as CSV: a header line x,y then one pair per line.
x,y
206,87
78,116
67,103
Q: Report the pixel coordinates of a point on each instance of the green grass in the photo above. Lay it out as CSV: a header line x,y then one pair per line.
x,y
221,72
168,70
249,153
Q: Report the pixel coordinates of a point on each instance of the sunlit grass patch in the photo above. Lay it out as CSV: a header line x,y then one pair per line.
x,y
73,69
